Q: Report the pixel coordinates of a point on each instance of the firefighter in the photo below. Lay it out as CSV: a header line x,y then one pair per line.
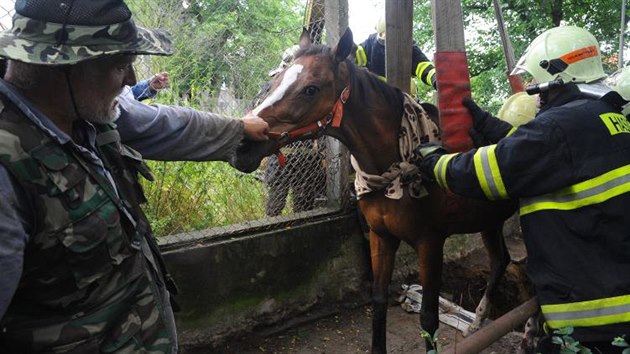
x,y
570,169
371,55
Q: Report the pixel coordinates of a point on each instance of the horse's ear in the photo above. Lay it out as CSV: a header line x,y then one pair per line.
x,y
305,39
344,46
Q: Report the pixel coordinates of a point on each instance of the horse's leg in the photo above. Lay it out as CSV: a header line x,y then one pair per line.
x,y
430,256
382,253
499,259
531,334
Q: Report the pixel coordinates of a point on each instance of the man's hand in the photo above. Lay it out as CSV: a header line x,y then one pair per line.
x,y
426,156
159,81
254,127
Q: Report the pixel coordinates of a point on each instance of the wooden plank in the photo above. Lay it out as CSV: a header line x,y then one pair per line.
x,y
621,35
448,26
515,80
453,78
398,28
336,19
508,52
491,333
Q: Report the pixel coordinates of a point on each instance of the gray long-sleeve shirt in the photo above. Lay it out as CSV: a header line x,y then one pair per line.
x,y
158,132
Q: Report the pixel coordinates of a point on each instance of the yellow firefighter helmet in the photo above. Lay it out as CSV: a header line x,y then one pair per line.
x,y
620,82
519,109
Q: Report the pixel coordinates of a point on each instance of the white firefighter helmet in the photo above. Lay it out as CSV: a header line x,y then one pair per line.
x,y
620,82
380,27
569,53
518,109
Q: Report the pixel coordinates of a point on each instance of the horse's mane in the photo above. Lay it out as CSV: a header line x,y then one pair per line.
x,y
363,81
315,49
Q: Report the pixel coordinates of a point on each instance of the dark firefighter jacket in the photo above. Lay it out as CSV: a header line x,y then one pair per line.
x,y
371,54
570,168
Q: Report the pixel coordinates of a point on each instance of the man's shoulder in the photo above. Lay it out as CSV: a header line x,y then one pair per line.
x,y
371,39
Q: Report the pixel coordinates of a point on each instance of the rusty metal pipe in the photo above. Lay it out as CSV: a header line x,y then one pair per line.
x,y
489,334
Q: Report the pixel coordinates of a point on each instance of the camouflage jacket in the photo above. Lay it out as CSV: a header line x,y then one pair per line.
x,y
88,282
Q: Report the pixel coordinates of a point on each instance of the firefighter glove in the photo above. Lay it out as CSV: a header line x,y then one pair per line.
x,y
425,157
477,138
490,128
479,116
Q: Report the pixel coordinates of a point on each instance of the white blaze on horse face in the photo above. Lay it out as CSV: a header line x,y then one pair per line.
x,y
290,76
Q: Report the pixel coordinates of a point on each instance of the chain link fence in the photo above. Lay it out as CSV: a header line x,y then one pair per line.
x,y
225,51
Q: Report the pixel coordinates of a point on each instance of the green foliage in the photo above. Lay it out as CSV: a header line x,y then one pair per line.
x,y
234,42
432,340
568,345
193,196
524,19
216,42
621,342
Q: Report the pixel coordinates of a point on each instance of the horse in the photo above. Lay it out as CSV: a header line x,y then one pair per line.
x,y
324,92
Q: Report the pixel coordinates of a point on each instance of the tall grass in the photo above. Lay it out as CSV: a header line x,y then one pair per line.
x,y
197,195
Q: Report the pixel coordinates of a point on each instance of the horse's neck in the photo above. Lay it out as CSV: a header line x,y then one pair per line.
x,y
372,135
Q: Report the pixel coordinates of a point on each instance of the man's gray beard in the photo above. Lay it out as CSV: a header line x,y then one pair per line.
x,y
109,117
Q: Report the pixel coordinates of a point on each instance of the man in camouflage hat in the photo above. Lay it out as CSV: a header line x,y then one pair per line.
x,y
81,272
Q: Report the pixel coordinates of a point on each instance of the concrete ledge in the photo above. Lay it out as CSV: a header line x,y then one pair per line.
x,y
230,286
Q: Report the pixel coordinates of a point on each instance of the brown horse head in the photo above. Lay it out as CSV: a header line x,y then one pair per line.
x,y
296,99
306,91
249,154
324,92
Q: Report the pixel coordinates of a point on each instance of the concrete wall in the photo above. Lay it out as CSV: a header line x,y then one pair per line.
x,y
229,286
233,284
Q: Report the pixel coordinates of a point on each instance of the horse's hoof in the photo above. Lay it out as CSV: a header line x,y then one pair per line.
x,y
470,330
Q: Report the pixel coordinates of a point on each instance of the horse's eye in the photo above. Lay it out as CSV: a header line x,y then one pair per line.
x,y
311,90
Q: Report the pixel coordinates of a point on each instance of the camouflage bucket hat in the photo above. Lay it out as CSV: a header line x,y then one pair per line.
x,y
58,32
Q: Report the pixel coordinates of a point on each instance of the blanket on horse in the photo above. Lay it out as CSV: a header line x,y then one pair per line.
x,y
415,128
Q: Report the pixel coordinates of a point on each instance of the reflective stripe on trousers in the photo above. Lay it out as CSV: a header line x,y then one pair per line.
x,y
588,313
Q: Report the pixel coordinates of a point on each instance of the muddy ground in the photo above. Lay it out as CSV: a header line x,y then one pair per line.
x,y
348,330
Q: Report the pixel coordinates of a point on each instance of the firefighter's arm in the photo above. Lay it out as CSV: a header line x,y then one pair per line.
x,y
422,67
360,55
490,127
426,156
533,161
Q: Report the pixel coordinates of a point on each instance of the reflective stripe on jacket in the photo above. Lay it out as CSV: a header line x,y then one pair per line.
x,y
371,54
570,168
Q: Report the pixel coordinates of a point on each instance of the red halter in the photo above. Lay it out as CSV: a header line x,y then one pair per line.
x,y
334,117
